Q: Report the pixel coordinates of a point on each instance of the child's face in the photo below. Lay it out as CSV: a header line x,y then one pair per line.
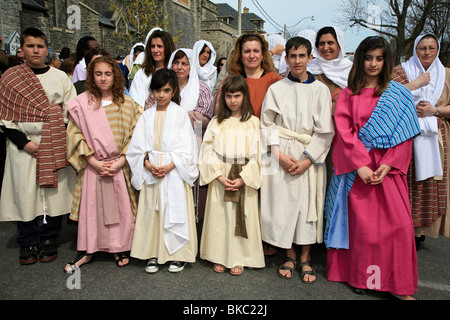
x,y
103,77
373,63
297,60
234,101
35,51
163,95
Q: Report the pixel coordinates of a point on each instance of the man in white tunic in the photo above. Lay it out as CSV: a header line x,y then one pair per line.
x,y
297,125
37,180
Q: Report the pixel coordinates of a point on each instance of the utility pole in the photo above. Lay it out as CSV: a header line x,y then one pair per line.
x,y
239,17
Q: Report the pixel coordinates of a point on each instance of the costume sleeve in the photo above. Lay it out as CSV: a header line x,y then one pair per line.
x,y
209,164
269,113
349,153
136,153
398,157
77,146
251,172
136,111
15,136
323,128
138,91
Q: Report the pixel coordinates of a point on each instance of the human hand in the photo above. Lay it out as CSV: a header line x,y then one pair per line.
x,y
425,109
365,174
230,185
300,167
285,161
421,80
31,148
380,174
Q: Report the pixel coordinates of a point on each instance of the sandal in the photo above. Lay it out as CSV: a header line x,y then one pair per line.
x,y
311,272
218,268
72,264
283,267
240,270
152,266
119,257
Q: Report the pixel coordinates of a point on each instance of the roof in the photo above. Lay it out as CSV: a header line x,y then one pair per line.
x,y
33,5
224,10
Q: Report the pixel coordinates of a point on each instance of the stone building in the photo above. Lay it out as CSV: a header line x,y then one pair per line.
x,y
66,21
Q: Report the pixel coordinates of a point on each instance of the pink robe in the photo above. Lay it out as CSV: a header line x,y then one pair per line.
x,y
106,221
381,254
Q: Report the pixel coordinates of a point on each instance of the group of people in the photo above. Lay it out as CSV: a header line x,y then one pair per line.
x,y
161,158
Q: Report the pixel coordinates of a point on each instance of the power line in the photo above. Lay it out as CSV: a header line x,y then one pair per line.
x,y
266,15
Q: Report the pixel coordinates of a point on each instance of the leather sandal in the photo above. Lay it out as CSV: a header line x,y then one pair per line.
x,y
283,267
72,264
311,272
119,259
237,273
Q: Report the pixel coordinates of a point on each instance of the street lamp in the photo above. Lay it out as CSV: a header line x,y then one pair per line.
x,y
285,28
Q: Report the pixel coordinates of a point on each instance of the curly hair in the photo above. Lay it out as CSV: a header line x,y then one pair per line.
x,y
237,67
118,85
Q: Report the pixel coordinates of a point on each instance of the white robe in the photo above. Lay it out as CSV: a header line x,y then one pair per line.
x,y
304,109
168,197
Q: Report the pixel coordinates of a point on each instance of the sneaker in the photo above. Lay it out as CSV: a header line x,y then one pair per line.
x,y
176,266
152,266
48,251
28,255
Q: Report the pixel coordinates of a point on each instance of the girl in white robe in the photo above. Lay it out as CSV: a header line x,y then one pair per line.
x,y
163,160
229,162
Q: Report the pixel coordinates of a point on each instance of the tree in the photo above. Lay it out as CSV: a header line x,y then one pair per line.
x,y
400,20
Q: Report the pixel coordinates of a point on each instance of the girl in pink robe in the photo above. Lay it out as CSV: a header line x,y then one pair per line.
x,y
381,247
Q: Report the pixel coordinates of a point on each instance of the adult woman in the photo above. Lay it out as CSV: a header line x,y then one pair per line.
x,y
375,121
251,58
198,101
99,131
205,57
158,48
330,66
428,175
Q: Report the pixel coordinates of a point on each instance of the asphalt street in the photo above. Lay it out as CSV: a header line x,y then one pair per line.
x,y
197,285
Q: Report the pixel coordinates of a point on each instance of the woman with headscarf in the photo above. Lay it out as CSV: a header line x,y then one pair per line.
x,y
205,56
158,48
428,175
198,101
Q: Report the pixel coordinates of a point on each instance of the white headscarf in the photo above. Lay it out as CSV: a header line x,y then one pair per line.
x,y
426,146
140,58
190,93
207,73
274,40
132,52
307,34
337,70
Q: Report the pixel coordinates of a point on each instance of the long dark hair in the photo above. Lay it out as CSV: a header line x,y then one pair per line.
x,y
165,76
232,84
356,78
149,64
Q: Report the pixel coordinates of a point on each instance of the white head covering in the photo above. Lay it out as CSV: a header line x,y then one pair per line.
x,y
274,40
140,58
208,72
132,52
337,70
427,158
190,93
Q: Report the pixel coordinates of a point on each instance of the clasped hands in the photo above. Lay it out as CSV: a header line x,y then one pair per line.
x,y
374,178
106,168
293,166
159,172
231,185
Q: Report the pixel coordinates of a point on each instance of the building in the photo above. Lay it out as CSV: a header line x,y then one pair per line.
x,y
66,21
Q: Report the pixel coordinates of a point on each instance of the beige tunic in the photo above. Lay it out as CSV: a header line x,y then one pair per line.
x,y
219,244
304,109
148,240
21,198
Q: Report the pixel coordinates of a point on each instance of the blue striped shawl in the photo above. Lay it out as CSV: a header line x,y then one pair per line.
x,y
393,121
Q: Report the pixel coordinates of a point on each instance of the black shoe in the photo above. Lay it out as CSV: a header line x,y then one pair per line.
x,y
48,251
28,255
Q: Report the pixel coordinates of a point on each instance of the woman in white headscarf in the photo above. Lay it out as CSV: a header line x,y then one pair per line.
x,y
198,101
158,47
330,65
428,175
205,57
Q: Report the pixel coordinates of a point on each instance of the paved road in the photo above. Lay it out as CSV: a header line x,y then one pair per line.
x,y
103,280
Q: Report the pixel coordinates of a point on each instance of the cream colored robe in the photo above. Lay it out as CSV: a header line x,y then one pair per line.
x,y
219,244
21,198
152,237
303,109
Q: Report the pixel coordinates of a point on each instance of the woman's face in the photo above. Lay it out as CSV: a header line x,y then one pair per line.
x,y
328,47
427,50
103,77
251,54
203,57
157,50
182,68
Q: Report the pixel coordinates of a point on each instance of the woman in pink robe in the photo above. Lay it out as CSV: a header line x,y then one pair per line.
x,y
381,247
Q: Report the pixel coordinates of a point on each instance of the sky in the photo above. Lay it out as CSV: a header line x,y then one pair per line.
x,y
290,12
